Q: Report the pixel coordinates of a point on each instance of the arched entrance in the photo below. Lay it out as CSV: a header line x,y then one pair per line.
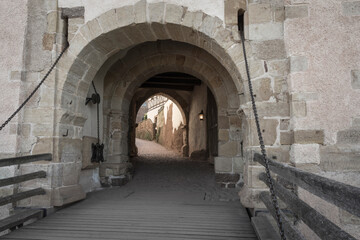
x,y
126,50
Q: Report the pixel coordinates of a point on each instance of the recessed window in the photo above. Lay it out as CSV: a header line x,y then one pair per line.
x,y
241,20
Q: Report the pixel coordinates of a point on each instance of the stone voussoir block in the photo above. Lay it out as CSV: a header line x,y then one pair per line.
x,y
126,15
173,13
156,12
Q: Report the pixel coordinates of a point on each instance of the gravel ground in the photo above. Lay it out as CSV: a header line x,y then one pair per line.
x,y
159,170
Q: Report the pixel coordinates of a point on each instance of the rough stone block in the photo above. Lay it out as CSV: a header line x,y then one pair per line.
x,y
156,12
296,11
286,138
231,10
238,165
268,129
229,149
48,41
249,197
108,21
224,135
270,49
259,13
309,136
350,136
265,31
173,13
140,11
284,124
305,154
66,195
262,89
278,67
339,158
298,64
72,12
71,173
268,109
223,164
351,8
304,96
355,79
280,154
298,109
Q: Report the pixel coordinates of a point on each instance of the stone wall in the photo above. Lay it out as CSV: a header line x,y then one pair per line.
x,y
13,15
146,130
169,131
197,128
324,61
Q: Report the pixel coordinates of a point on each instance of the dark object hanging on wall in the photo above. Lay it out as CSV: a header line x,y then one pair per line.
x,y
96,149
97,152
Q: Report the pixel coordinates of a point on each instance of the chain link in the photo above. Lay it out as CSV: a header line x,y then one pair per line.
x,y
262,146
34,91
97,112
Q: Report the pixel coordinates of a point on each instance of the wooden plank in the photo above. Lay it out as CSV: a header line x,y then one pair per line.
x,y
21,196
342,195
289,229
22,178
323,227
20,217
25,159
263,228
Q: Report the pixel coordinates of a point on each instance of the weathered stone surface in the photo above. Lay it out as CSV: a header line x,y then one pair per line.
x,y
297,11
229,149
284,124
48,41
173,13
286,138
268,129
262,89
43,145
305,154
271,49
223,164
223,135
238,165
351,136
355,79
223,177
351,8
269,109
71,173
298,63
280,154
309,136
115,169
72,12
231,10
266,31
298,109
65,195
259,13
278,67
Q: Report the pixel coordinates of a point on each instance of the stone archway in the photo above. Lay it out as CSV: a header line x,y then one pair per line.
x,y
117,32
140,97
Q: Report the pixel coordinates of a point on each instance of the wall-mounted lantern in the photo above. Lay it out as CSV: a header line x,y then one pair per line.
x,y
201,115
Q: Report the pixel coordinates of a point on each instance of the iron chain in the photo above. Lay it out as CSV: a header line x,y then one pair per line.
x,y
262,146
34,91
